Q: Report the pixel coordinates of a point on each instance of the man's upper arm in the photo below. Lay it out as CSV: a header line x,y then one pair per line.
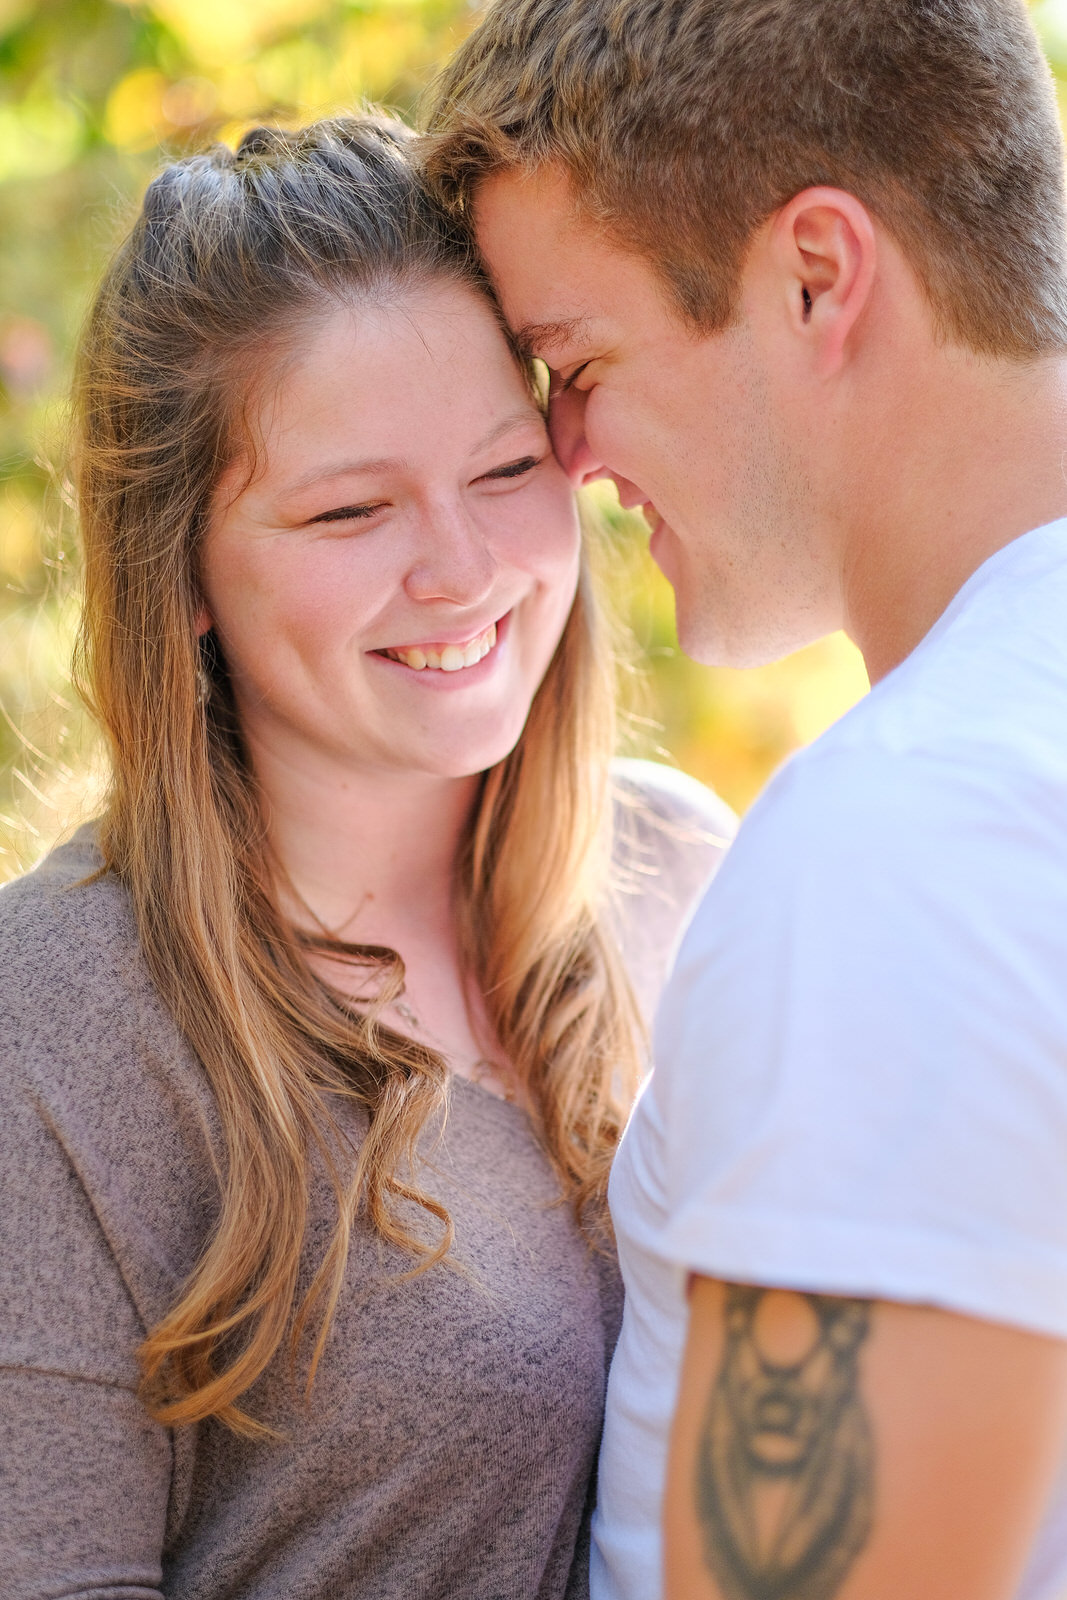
x,y
832,1448
861,1069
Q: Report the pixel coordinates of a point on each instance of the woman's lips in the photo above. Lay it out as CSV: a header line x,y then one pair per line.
x,y
444,657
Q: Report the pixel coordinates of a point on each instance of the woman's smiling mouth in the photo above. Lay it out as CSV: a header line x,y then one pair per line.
x,y
444,657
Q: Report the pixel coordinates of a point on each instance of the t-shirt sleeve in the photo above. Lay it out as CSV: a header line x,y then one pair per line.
x,y
861,1059
84,1473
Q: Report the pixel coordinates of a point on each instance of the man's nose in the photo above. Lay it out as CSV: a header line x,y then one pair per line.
x,y
566,427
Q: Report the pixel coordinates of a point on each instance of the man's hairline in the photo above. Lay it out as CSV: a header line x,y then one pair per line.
x,y
528,169
659,263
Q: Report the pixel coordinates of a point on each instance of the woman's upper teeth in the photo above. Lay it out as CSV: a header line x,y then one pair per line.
x,y
447,657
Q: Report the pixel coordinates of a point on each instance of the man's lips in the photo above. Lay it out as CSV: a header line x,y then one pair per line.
x,y
444,656
631,495
655,525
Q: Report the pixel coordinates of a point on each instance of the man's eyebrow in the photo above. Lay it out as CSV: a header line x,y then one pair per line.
x,y
535,338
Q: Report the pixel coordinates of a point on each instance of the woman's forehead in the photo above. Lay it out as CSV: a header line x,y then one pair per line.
x,y
381,383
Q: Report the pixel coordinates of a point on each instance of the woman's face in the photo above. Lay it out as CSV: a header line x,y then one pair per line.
x,y
390,587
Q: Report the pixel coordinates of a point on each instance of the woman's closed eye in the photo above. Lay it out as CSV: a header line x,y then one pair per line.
x,y
512,469
363,513
349,513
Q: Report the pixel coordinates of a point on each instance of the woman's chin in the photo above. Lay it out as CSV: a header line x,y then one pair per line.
x,y
465,758
471,763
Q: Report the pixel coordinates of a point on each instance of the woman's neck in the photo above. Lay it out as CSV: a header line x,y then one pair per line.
x,y
368,856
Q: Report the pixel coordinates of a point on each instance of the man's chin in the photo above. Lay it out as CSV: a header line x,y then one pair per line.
x,y
703,640
710,650
716,641
699,636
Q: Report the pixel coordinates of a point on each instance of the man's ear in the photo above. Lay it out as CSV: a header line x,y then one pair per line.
x,y
824,246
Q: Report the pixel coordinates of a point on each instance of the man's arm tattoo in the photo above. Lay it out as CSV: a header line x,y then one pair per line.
x,y
784,1481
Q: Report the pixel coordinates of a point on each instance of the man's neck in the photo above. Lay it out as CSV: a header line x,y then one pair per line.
x,y
976,459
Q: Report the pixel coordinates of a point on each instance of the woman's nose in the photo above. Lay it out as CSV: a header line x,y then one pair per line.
x,y
454,561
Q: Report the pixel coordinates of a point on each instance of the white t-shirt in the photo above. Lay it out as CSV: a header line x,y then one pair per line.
x,y
861,1056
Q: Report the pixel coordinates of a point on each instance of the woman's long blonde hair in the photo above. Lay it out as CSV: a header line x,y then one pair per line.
x,y
232,255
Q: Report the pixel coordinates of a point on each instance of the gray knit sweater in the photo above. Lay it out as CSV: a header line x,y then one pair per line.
x,y
449,1444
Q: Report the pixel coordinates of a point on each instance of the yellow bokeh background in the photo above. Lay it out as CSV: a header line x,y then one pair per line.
x,y
94,94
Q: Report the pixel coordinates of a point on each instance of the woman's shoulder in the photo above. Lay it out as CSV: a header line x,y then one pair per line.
x,y
98,1089
106,1119
36,897
674,798
82,1026
670,833
67,933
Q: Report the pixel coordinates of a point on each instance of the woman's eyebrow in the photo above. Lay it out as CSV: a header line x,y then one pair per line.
x,y
344,469
541,338
518,419
378,466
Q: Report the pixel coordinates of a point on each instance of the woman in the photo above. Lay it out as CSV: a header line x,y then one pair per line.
x,y
305,1042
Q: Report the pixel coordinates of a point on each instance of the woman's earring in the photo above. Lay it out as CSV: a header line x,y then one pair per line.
x,y
204,665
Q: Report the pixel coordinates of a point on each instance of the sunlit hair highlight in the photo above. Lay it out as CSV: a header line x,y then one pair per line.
x,y
233,253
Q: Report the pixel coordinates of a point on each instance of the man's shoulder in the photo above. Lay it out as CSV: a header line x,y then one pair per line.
x,y
940,797
866,809
970,725
986,689
924,805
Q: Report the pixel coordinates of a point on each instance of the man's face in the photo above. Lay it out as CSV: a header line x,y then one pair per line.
x,y
699,431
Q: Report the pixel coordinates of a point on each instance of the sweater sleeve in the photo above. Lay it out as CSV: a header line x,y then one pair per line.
x,y
84,1472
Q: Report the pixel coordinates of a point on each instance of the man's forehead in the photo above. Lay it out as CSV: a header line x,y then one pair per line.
x,y
542,196
542,256
564,283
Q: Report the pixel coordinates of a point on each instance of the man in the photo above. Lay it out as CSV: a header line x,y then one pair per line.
x,y
798,267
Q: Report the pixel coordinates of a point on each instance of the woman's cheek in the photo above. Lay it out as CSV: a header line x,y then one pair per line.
x,y
554,536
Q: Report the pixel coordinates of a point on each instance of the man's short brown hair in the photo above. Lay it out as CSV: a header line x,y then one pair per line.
x,y
685,124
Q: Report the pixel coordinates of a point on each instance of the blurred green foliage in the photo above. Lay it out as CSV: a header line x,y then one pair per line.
x,y
93,95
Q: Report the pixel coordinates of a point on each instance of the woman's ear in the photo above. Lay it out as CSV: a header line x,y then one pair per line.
x,y
204,623
825,248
